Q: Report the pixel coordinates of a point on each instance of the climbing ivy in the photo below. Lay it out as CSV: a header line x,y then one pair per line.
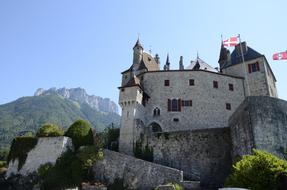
x,y
20,148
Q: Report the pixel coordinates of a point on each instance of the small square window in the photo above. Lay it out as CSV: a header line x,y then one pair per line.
x,y
176,119
166,82
215,84
191,82
228,106
122,89
230,87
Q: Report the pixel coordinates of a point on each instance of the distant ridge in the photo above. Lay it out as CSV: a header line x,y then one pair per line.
x,y
29,113
81,96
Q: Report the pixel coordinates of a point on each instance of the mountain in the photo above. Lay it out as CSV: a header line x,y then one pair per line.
x,y
30,113
80,95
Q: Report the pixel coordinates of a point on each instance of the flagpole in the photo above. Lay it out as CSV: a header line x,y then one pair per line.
x,y
243,64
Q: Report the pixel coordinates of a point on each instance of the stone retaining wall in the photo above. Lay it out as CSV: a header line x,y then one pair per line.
x,y
134,173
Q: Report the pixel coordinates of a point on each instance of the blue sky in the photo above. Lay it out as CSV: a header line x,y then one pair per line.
x,y
67,43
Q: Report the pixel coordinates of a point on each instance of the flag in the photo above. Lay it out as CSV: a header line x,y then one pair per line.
x,y
280,56
232,41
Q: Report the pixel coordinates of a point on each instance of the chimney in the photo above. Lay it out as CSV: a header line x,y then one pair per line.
x,y
238,48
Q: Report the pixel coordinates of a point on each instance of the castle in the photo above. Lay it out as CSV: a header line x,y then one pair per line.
x,y
196,97
199,119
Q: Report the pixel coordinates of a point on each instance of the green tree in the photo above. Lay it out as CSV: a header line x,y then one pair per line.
x,y
81,133
50,130
258,171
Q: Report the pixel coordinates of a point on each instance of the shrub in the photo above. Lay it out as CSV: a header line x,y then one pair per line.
x,y
19,149
111,138
50,130
4,154
70,169
144,153
258,171
81,133
176,186
3,164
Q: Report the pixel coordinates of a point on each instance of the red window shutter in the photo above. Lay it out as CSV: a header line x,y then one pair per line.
x,y
168,105
257,66
179,105
249,68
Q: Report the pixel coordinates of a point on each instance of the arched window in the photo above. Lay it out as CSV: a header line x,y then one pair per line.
x,y
156,112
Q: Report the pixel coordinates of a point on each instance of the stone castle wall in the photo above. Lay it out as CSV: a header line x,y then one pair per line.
x,y
261,123
201,154
208,108
134,173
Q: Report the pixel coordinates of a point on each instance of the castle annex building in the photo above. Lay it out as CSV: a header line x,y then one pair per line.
x,y
199,119
195,97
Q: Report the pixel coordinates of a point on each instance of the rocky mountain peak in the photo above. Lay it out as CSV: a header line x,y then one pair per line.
x,y
80,95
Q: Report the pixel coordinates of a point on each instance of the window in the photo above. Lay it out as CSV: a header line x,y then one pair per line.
x,y
253,67
176,119
122,89
174,105
215,84
186,103
230,87
228,106
191,82
166,82
156,112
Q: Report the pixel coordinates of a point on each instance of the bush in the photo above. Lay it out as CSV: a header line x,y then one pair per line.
x,y
3,164
20,148
258,171
111,138
50,130
144,153
176,186
4,154
70,169
81,133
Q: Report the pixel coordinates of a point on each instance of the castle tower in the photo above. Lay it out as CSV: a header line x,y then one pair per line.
x,y
131,98
256,71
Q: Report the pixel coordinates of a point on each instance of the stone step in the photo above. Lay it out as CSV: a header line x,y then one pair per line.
x,y
191,185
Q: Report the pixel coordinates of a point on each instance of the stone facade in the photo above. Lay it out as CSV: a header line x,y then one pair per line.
x,y
134,173
47,150
208,108
260,123
261,83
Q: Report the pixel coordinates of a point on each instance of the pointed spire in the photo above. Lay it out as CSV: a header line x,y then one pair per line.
x,y
223,55
138,44
197,56
181,66
167,63
167,60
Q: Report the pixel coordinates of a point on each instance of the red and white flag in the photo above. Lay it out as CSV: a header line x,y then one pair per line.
x,y
280,56
232,41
